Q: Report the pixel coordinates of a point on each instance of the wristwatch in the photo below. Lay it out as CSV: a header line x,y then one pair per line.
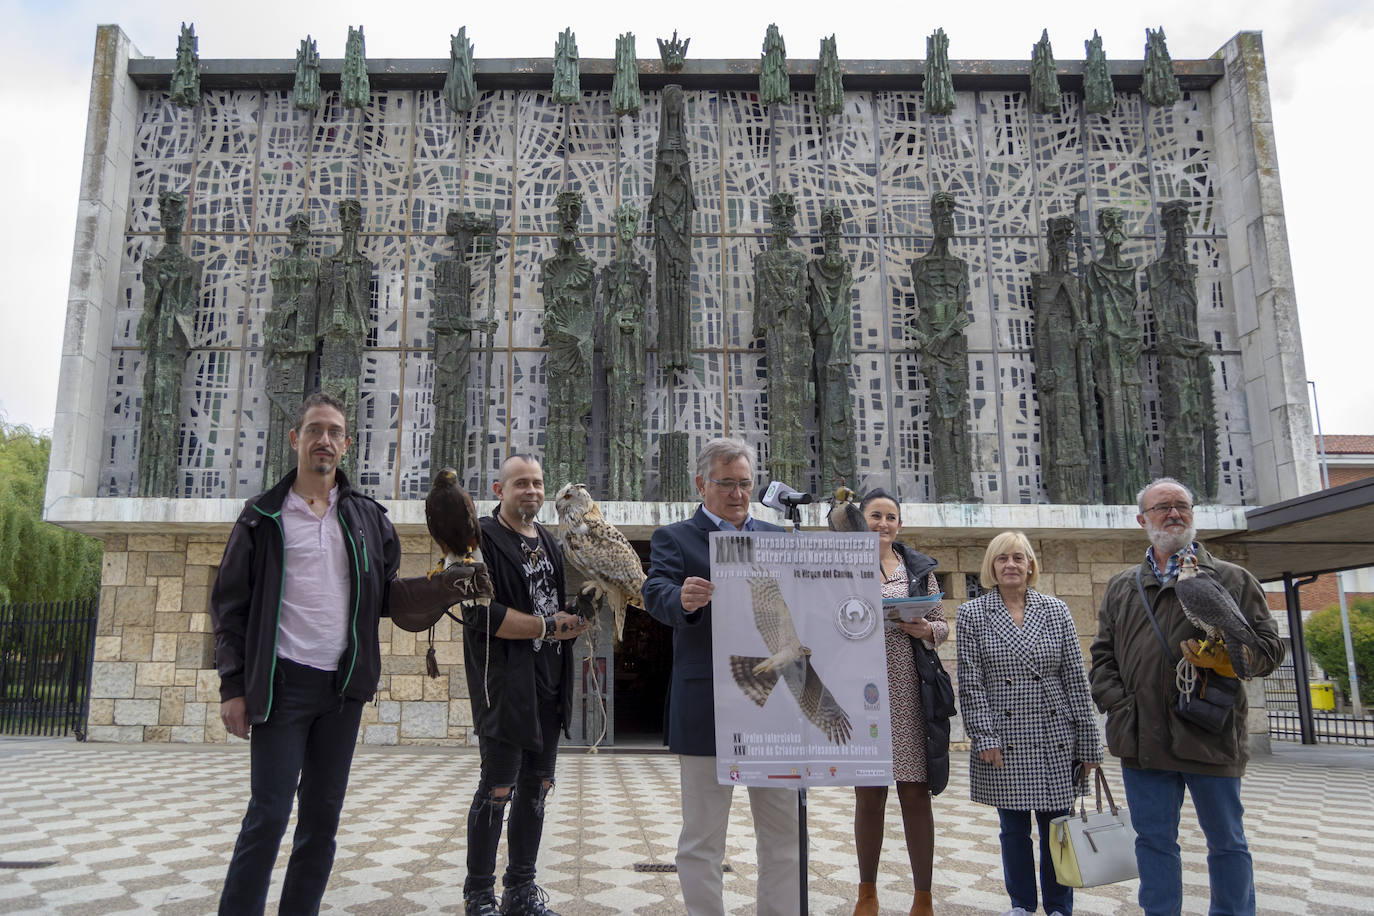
x,y
550,626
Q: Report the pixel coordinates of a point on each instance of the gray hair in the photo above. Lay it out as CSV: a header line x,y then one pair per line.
x,y
1140,497
725,450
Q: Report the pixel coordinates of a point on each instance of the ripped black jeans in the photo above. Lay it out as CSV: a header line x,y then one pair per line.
x,y
508,765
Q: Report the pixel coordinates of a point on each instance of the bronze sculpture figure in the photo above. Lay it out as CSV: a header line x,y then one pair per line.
x,y
830,291
344,322
305,93
460,86
567,77
1159,85
673,52
774,86
1099,97
1111,304
289,344
625,98
1061,326
829,80
171,293
781,320
1045,98
569,285
624,295
941,282
454,325
1187,411
354,85
186,73
671,207
939,84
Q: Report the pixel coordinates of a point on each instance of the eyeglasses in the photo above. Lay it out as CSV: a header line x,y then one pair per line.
x,y
729,486
1165,508
336,433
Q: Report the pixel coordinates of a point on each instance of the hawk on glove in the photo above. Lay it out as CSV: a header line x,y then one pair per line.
x,y
1211,609
451,518
790,660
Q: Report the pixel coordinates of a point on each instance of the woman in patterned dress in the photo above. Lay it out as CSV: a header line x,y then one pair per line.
x,y
904,572
1025,701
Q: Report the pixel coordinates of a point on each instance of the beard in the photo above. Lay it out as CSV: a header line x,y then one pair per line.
x,y
1169,541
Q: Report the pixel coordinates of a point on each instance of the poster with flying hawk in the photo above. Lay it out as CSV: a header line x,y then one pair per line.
x,y
798,660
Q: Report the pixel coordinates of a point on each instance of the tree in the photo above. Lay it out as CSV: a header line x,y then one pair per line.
x,y
1327,644
38,561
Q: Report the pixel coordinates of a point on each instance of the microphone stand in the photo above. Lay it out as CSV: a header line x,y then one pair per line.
x,y
793,513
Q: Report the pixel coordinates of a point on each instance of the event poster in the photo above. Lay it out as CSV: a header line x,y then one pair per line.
x,y
798,659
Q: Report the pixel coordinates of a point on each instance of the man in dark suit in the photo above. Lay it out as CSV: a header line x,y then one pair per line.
x,y
678,592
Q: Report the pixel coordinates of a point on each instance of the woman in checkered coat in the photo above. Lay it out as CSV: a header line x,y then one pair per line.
x,y
1025,702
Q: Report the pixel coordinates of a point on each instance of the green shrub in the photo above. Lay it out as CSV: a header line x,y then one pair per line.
x,y
1327,644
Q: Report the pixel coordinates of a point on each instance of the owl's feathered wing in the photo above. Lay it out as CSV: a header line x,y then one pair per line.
x,y
602,553
790,660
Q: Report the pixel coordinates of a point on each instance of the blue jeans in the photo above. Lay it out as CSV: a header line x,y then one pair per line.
x,y
1018,862
1155,800
308,739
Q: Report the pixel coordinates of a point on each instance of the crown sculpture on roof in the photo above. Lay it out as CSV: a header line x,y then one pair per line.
x,y
673,52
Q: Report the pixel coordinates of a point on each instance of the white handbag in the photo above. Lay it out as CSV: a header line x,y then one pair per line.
x,y
1092,849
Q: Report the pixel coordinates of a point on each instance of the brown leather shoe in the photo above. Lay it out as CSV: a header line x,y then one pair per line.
x,y
922,905
868,899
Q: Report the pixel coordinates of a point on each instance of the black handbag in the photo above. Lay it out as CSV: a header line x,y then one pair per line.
x,y
1210,697
937,700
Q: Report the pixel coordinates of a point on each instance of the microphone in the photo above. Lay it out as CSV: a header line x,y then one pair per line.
x,y
778,495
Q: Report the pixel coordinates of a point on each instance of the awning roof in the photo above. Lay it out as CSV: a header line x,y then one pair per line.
x,y
1322,532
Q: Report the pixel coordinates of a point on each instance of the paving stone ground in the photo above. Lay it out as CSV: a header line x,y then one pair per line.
x,y
149,828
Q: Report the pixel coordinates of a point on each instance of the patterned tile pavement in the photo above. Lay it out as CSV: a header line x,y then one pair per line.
x,y
149,828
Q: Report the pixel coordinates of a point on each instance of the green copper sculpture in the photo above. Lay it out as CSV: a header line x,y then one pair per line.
x,y
344,323
1061,326
774,88
671,207
460,86
676,467
1188,414
454,325
305,94
830,294
941,282
288,345
1099,96
1045,97
355,88
625,99
829,80
939,83
186,73
568,282
566,73
625,299
171,293
781,320
1159,85
673,52
1111,305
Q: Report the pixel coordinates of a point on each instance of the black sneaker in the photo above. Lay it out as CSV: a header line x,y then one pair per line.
x,y
481,903
525,900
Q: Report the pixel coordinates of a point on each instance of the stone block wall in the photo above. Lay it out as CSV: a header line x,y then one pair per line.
x,y
154,676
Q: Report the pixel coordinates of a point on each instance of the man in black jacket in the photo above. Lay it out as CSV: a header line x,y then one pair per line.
x,y
309,568
520,675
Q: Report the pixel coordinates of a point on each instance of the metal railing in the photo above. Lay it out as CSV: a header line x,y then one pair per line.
x,y
1285,715
46,653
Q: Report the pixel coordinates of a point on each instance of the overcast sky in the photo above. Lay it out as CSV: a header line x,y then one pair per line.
x,y
1320,80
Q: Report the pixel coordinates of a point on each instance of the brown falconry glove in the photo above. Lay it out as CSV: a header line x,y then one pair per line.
x,y
418,602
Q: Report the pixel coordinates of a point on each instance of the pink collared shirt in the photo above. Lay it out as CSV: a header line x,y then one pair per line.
x,y
313,627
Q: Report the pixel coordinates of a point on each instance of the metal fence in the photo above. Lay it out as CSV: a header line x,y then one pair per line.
x,y
45,667
1285,718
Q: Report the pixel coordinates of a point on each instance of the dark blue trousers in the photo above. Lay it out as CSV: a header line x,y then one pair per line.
x,y
304,749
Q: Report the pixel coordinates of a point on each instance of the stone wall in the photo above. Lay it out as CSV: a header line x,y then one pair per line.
x,y
154,676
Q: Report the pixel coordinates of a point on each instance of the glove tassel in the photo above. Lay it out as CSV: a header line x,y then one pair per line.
x,y
431,663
